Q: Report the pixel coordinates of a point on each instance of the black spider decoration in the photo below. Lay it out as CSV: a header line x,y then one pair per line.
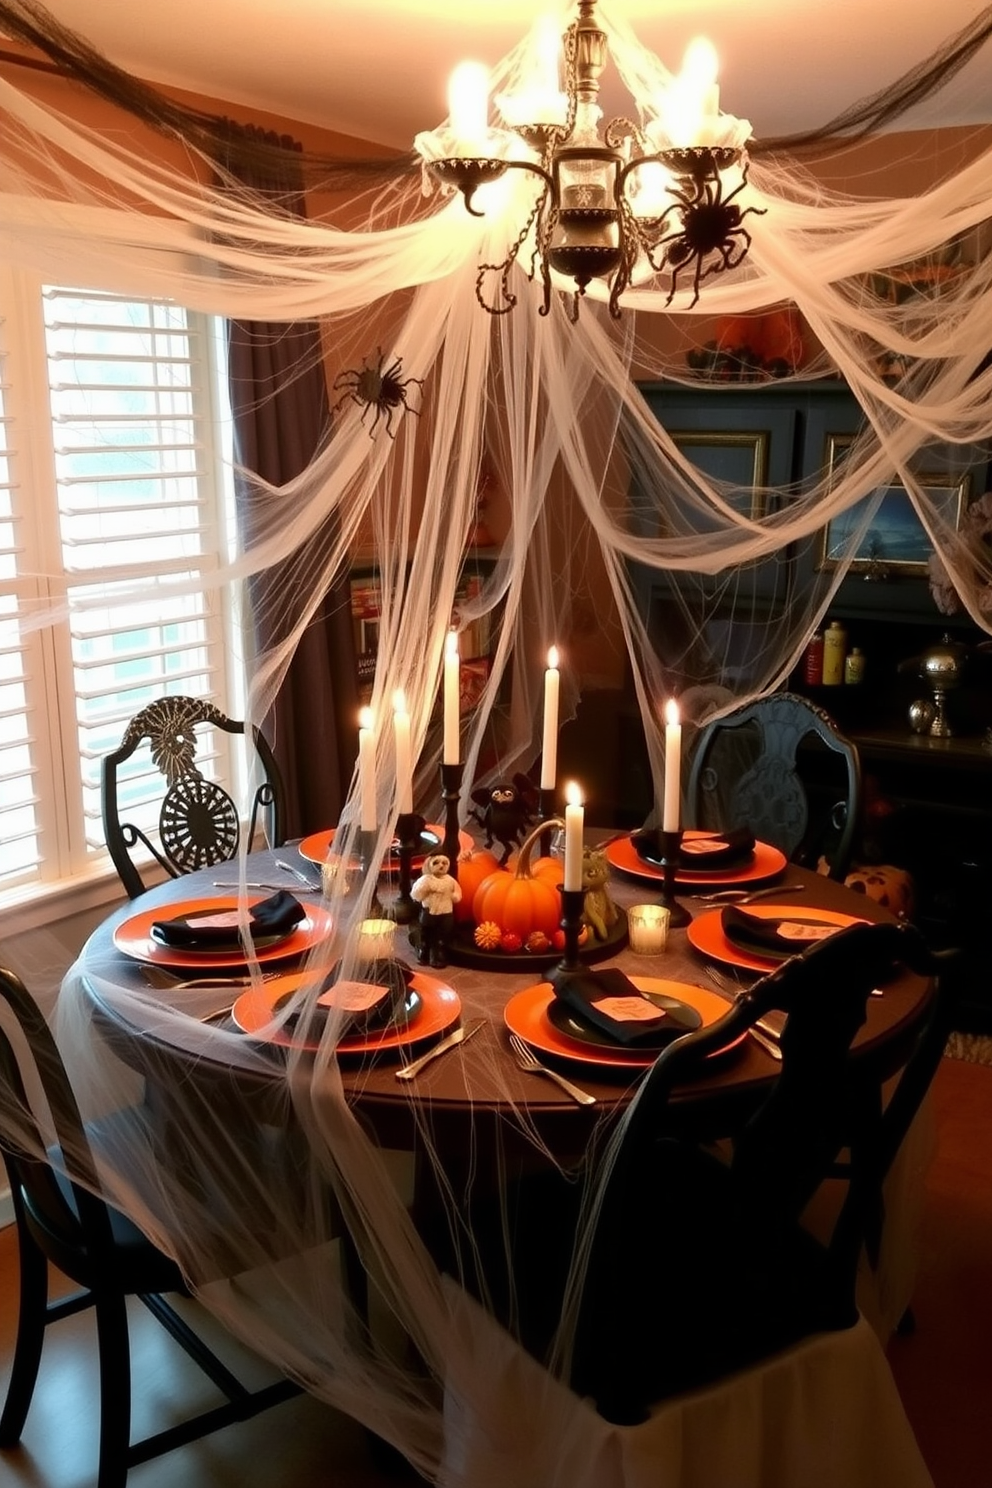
x,y
506,811
378,389
711,228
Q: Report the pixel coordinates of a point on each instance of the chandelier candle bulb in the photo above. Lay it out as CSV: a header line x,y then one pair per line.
x,y
549,745
404,763
366,770
574,821
452,666
468,106
672,811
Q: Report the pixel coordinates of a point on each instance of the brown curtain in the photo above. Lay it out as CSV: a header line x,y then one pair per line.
x,y
281,414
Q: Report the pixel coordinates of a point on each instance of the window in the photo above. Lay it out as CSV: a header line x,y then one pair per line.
x,y
110,464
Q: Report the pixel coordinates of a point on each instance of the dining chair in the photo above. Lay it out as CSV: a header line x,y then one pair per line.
x,y
63,1220
198,823
734,1277
781,766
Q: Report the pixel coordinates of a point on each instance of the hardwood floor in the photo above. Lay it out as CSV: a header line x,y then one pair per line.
x,y
944,1369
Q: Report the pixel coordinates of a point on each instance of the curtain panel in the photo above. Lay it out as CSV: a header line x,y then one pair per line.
x,y
281,414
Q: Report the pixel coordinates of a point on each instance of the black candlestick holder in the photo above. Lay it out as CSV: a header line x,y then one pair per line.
x,y
368,843
671,843
451,788
572,904
409,837
546,806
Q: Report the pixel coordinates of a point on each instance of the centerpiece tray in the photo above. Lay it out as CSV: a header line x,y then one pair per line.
x,y
463,951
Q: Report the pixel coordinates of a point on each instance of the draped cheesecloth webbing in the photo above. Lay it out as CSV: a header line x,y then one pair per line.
x,y
251,1201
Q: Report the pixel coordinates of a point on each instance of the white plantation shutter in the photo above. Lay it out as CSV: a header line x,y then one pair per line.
x,y
131,480
21,665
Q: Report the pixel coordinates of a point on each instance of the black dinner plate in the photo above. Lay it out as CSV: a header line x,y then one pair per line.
x,y
572,1025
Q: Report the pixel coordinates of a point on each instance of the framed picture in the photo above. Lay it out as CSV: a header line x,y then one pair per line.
x,y
738,458
896,539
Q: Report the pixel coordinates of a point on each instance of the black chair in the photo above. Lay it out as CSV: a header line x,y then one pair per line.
x,y
725,1274
780,766
198,821
62,1220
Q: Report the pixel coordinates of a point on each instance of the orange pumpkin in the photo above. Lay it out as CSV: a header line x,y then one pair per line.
x,y
517,901
550,868
472,869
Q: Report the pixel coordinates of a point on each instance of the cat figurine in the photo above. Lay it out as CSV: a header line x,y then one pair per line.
x,y
598,910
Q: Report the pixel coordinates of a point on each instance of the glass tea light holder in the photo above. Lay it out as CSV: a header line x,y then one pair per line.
x,y
375,940
647,929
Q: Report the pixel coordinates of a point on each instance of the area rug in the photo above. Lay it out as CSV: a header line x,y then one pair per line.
x,y
976,1048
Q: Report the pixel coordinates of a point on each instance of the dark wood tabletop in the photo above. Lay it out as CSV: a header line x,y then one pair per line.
x,y
480,1080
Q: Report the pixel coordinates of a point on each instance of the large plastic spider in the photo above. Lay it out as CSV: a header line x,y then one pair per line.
x,y
375,388
711,228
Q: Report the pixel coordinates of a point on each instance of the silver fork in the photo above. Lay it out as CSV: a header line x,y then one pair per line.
x,y
527,1060
764,1034
301,878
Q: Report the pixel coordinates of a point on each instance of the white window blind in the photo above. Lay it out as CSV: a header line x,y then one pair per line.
x,y
129,481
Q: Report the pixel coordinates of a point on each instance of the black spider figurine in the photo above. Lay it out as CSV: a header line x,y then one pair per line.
x,y
711,228
506,811
378,389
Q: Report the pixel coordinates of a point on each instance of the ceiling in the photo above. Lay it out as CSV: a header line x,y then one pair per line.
x,y
377,69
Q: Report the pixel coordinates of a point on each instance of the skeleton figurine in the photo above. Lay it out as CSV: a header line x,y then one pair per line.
x,y
437,893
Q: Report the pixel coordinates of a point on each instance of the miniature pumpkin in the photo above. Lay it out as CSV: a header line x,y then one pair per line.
x,y
472,868
518,901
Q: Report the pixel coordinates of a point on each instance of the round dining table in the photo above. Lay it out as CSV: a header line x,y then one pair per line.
x,y
479,1080
344,1216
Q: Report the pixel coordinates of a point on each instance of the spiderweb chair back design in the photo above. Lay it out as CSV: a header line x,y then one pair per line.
x,y
198,822
782,767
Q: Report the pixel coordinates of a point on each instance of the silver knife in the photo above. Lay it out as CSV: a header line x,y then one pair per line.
x,y
309,888
745,896
451,1041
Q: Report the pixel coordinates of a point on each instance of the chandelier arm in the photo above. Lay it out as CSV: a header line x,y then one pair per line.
x,y
503,269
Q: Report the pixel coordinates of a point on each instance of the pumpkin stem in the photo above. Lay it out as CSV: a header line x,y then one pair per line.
x,y
522,869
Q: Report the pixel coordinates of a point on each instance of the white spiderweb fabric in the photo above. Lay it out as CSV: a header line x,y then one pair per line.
x,y
252,1191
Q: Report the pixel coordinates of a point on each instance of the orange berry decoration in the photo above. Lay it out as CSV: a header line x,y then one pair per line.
x,y
487,935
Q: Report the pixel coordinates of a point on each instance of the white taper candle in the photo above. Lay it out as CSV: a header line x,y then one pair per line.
x,y
549,745
404,764
672,812
452,667
574,819
366,769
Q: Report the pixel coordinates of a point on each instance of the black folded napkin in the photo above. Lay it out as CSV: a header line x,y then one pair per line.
x,y
778,936
374,998
709,850
611,1002
217,929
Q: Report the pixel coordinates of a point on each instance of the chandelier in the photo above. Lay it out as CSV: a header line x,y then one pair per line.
x,y
665,198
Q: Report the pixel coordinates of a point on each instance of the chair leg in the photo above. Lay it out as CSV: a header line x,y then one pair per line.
x,y
32,1305
115,1388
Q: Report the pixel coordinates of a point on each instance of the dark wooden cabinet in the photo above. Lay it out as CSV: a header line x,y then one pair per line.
x,y
929,799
